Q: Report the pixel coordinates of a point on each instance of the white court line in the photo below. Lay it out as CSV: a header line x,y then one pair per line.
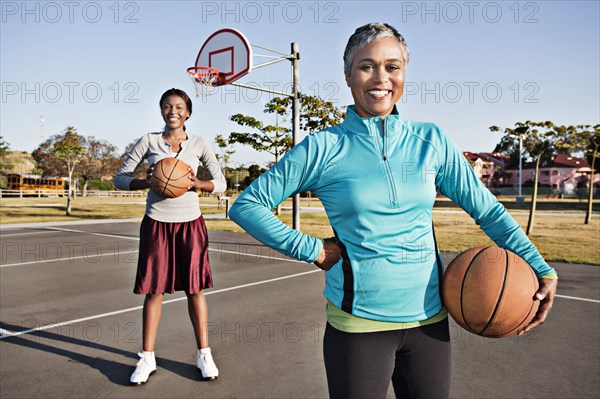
x,y
94,234
57,260
128,252
7,334
577,298
58,229
71,258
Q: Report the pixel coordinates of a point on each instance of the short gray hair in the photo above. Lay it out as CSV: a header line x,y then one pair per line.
x,y
369,33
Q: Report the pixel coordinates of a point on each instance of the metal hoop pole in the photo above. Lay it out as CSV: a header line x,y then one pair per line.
x,y
295,125
261,89
268,49
271,62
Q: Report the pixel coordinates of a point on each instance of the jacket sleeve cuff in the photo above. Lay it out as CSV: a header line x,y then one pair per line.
x,y
219,185
319,243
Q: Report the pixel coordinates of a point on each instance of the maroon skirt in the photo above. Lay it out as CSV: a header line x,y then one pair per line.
x,y
173,257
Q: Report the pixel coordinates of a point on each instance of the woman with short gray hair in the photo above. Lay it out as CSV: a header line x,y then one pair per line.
x,y
377,176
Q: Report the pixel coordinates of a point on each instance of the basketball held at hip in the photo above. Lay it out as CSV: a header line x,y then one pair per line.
x,y
490,291
170,178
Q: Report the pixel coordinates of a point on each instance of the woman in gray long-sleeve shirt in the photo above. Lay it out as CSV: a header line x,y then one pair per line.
x,y
173,252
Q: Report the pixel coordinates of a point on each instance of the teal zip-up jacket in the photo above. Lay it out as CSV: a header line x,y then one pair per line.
x,y
377,180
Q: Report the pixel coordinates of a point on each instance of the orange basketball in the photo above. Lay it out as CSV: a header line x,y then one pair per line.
x,y
170,178
490,291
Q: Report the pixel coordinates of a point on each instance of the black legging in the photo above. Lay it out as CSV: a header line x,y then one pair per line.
x,y
416,360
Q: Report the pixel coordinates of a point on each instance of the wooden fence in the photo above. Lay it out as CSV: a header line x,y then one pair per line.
x,y
63,193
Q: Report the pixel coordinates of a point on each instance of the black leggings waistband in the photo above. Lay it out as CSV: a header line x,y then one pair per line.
x,y
416,361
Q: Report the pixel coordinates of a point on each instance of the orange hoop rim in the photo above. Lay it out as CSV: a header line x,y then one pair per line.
x,y
202,73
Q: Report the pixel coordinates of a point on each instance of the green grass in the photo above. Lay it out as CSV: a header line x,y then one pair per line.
x,y
33,209
559,238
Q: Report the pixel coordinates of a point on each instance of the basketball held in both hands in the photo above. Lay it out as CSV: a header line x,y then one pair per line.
x,y
490,291
170,178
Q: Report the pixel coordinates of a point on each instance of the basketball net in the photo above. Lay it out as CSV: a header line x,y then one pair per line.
x,y
204,79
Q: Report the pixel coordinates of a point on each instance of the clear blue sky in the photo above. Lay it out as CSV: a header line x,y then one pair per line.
x,y
101,66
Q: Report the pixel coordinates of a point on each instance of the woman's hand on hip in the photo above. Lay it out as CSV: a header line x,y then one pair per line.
x,y
330,254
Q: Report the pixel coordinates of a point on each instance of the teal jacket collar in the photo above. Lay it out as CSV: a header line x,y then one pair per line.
x,y
371,126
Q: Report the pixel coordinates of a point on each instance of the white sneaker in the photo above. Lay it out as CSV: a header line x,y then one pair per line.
x,y
206,364
146,366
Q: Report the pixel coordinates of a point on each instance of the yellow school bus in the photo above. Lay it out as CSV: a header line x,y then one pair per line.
x,y
36,183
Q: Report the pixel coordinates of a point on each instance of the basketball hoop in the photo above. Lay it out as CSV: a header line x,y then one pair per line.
x,y
226,56
205,79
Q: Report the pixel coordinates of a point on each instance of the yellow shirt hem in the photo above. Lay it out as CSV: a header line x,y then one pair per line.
x,y
349,323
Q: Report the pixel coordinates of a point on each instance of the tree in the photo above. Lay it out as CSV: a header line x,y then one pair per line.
x,y
69,148
585,138
224,156
254,171
4,147
226,151
46,161
274,139
140,170
99,160
539,142
5,166
315,113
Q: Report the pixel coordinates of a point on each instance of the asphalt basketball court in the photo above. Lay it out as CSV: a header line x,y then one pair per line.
x,y
71,326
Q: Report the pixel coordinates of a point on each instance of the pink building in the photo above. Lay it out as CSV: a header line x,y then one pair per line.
x,y
563,174
488,166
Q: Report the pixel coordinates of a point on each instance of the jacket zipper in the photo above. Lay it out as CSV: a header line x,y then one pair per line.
x,y
391,183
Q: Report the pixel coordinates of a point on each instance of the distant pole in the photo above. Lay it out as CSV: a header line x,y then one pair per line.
x,y
295,127
520,167
521,130
42,128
